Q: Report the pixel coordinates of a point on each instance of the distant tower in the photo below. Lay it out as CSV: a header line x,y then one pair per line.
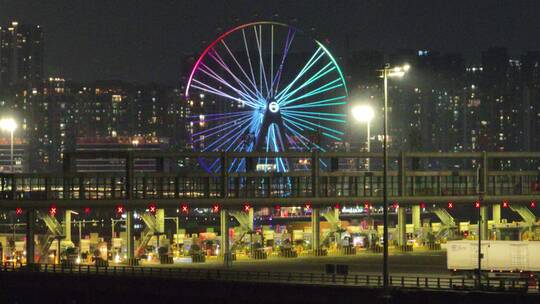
x,y
21,54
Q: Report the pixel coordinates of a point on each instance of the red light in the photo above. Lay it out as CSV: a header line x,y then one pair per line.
x,y
308,206
184,208
465,233
450,205
87,210
53,210
395,205
505,204
422,205
533,204
215,208
337,207
152,208
18,211
246,207
120,209
366,205
477,204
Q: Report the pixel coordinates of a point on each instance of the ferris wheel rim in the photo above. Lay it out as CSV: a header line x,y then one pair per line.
x,y
242,26
290,121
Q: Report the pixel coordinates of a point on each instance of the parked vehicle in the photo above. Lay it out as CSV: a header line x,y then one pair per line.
x,y
499,258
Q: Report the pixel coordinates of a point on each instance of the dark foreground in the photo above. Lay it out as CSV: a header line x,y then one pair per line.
x,y
21,287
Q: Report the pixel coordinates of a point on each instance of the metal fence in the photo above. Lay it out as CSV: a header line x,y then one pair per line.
x,y
359,280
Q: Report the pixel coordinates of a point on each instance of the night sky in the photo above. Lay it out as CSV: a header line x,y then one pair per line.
x,y
146,40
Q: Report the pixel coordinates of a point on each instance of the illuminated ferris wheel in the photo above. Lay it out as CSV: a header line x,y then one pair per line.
x,y
268,87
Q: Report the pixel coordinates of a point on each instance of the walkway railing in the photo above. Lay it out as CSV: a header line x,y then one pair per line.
x,y
331,182
360,280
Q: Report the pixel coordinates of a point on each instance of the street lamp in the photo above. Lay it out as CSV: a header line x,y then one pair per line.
x,y
9,125
386,72
364,113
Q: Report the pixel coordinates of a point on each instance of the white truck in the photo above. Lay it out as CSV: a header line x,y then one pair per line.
x,y
500,258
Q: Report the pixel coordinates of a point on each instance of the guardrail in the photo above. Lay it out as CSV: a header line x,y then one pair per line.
x,y
359,280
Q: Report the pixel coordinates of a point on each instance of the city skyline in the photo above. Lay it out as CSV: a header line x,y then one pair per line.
x,y
478,107
124,41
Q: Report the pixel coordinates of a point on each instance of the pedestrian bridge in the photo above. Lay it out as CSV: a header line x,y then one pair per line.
x,y
317,178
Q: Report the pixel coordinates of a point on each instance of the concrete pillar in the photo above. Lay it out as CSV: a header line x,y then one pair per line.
x,y
30,226
484,222
416,219
67,226
315,230
496,213
401,227
224,231
130,248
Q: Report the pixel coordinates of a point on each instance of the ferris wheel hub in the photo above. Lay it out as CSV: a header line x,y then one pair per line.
x,y
273,107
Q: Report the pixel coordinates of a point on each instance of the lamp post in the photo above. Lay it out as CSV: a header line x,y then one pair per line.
x,y
480,192
387,71
9,125
364,113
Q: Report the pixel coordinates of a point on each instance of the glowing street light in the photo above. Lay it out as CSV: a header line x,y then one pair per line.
x,y
364,113
386,72
9,125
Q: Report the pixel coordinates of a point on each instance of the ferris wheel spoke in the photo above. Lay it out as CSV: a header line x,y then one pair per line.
x,y
224,65
206,88
217,117
241,68
224,138
300,126
314,58
221,127
271,57
246,47
303,139
215,133
293,143
276,80
246,98
210,72
319,103
321,73
213,164
234,139
262,72
318,125
317,116
238,148
324,88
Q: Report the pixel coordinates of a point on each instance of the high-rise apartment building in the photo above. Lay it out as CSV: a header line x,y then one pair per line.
x,y
21,54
